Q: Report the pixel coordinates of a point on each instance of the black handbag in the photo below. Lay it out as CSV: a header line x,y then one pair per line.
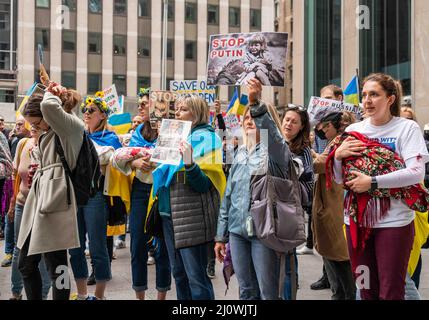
x,y
154,222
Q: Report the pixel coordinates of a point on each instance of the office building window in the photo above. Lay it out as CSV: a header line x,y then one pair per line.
x,y
43,4
143,82
119,44
213,14
234,17
120,7
323,45
190,12
71,4
42,37
386,46
68,79
170,49
5,20
190,50
69,40
7,96
121,84
171,8
144,8
144,47
94,82
95,42
95,6
255,19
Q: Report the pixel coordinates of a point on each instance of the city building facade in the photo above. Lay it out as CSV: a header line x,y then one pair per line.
x,y
90,44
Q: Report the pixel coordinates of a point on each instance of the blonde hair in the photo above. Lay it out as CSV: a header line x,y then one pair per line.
x,y
409,110
198,107
274,115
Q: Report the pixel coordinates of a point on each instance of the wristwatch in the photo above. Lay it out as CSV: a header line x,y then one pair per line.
x,y
374,184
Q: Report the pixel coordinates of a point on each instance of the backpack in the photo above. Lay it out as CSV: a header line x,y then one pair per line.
x,y
86,177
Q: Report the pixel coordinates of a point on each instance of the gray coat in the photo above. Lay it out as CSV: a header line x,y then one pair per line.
x,y
272,152
47,216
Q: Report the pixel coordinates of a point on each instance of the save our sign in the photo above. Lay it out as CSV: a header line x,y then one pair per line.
x,y
195,87
318,108
112,99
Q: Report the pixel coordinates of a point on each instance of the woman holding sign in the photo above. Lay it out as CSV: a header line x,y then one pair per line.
x,y
188,201
136,159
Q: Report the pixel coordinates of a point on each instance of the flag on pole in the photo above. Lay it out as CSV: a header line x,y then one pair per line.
x,y
351,94
238,103
24,101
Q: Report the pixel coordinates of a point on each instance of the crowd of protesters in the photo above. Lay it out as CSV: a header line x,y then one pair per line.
x,y
362,186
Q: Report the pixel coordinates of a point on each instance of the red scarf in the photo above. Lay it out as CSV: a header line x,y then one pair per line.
x,y
368,208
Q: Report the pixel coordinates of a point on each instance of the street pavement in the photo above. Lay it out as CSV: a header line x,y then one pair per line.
x,y
120,287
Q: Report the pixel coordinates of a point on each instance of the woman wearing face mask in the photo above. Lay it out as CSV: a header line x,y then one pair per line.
x,y
327,223
383,240
296,129
255,264
136,159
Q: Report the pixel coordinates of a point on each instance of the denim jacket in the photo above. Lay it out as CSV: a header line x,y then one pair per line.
x,y
236,203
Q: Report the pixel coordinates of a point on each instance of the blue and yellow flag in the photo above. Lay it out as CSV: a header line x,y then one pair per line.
x,y
237,106
121,123
351,94
24,101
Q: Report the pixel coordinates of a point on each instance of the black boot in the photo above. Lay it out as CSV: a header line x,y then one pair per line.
x,y
322,283
91,280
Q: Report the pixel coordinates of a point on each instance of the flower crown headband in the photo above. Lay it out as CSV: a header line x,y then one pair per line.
x,y
97,101
143,92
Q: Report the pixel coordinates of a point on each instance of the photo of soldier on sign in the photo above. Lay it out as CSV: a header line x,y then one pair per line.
x,y
236,58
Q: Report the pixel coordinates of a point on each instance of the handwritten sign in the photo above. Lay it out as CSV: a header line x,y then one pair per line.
x,y
194,87
112,99
318,108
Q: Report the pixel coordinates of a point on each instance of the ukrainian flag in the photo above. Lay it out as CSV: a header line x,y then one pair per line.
x,y
237,106
351,94
121,123
24,101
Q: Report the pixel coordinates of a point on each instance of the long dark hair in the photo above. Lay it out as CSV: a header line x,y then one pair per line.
x,y
32,107
302,139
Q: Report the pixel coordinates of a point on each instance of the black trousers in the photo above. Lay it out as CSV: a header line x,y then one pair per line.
x,y
29,268
341,279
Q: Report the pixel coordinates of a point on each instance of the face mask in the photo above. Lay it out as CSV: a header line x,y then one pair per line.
x,y
320,134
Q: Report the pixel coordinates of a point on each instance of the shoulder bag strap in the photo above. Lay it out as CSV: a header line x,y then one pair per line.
x,y
60,152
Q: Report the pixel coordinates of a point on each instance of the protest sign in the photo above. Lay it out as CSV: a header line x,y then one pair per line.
x,y
195,87
112,99
171,134
161,107
318,108
236,58
233,124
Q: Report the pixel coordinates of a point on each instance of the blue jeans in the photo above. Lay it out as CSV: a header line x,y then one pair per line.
x,y
288,283
257,268
189,267
16,277
140,247
8,235
92,219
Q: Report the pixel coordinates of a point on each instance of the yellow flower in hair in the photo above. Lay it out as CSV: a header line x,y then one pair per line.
x,y
100,94
89,100
104,104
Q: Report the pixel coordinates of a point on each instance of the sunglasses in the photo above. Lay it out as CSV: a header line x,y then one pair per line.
x,y
293,107
88,110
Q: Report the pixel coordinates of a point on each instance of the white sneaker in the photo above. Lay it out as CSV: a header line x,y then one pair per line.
x,y
150,260
120,244
304,250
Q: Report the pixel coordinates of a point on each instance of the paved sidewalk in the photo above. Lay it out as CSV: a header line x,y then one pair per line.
x,y
120,288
